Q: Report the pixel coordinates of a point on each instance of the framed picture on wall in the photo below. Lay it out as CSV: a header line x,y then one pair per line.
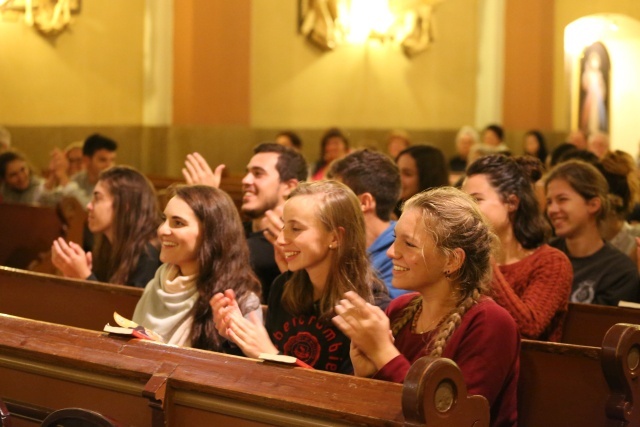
x,y
593,104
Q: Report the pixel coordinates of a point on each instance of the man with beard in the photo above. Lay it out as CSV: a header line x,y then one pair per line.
x,y
272,173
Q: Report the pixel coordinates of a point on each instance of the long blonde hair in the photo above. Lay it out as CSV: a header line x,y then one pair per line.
x,y
338,209
454,222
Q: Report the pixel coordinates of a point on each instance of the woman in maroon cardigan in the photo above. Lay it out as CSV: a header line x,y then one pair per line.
x,y
442,251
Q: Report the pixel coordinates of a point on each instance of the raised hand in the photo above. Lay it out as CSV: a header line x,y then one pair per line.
x,y
198,171
272,225
71,259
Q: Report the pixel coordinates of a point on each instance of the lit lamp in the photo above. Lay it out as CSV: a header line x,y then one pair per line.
x,y
407,23
49,17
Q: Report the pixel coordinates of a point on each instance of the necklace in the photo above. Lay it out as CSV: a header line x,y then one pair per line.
x,y
414,323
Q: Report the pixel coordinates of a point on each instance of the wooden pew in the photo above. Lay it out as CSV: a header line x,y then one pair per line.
x,y
71,302
587,324
44,367
571,385
29,230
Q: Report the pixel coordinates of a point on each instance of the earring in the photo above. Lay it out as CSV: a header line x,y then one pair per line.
x,y
447,274
330,246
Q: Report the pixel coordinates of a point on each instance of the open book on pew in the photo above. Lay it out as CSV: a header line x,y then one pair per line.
x,y
283,359
129,327
628,304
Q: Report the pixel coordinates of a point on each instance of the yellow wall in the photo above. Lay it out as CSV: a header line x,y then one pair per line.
x,y
293,84
90,74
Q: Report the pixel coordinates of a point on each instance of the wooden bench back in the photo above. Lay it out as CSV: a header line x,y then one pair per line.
x,y
27,231
71,302
51,366
571,385
587,324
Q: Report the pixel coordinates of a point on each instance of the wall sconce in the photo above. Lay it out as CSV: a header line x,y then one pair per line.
x,y
407,23
49,17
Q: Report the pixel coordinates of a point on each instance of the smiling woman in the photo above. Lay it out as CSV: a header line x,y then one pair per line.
x,y
324,246
442,252
123,216
577,203
204,253
17,183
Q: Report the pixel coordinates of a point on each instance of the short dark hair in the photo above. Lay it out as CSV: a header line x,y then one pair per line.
x,y
291,164
366,171
293,137
97,142
497,129
6,158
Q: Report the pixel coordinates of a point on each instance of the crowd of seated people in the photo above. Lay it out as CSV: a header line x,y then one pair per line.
x,y
367,263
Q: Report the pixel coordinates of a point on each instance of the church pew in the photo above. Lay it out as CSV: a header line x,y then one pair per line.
x,y
29,230
587,324
44,367
571,385
71,302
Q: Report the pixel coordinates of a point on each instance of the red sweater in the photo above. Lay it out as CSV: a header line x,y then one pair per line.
x,y
536,292
486,347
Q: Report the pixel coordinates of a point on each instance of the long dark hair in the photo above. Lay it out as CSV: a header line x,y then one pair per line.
x,y
135,222
516,176
223,260
433,170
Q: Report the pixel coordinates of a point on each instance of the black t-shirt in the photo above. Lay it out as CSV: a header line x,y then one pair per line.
x,y
319,344
605,277
262,259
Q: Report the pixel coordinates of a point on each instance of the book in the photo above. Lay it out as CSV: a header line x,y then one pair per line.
x,y
281,358
628,304
129,327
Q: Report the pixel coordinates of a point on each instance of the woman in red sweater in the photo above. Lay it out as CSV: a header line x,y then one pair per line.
x,y
442,252
531,279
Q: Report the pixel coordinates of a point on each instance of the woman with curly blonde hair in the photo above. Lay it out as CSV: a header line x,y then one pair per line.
x,y
442,252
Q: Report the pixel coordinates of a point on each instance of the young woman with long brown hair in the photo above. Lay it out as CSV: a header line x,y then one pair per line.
x,y
204,253
324,245
123,215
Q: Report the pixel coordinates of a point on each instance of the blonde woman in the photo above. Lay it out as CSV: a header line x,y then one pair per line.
x,y
442,252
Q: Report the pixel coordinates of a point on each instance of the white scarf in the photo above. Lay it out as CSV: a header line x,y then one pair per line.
x,y
165,306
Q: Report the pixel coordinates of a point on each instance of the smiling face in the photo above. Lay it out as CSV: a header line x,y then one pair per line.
x,y
304,239
261,186
17,175
569,212
180,237
417,263
489,200
100,211
335,148
409,176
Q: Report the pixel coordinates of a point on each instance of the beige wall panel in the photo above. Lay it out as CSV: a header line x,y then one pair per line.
x,y
89,74
293,84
